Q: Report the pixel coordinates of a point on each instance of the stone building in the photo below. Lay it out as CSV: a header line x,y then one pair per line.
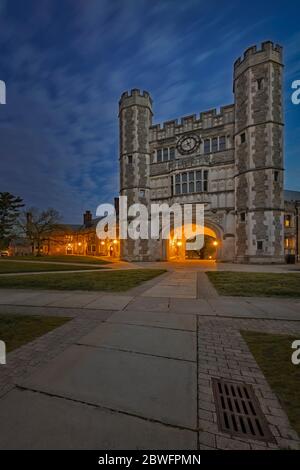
x,y
230,160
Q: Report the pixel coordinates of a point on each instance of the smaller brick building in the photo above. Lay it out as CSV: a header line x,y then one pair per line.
x,y
70,239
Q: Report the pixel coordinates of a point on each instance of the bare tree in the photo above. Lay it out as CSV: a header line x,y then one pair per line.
x,y
39,226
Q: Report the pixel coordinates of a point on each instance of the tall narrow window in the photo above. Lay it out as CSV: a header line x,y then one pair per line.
x,y
159,155
214,144
165,154
191,181
276,176
260,245
288,221
243,138
199,181
172,153
222,142
260,83
129,158
205,180
207,146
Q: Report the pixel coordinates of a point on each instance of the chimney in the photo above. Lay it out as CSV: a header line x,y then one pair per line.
x,y
87,219
28,224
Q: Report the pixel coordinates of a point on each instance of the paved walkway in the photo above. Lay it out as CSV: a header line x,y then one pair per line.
x,y
134,370
177,266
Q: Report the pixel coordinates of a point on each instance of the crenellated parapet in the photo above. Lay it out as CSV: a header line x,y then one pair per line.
x,y
205,120
135,97
254,56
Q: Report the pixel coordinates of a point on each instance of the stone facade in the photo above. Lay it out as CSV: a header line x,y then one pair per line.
x,y
259,154
235,168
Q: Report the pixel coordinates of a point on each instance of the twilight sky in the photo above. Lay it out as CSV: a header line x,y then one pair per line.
x,y
66,62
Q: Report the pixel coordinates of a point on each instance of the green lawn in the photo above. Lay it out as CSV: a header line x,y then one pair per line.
x,y
63,259
256,284
16,330
113,281
25,267
273,355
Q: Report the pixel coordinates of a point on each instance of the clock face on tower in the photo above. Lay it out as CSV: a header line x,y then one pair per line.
x,y
188,144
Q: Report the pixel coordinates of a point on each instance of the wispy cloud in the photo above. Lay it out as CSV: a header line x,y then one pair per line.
x,y
67,62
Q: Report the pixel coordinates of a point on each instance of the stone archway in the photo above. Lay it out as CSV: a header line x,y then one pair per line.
x,y
175,246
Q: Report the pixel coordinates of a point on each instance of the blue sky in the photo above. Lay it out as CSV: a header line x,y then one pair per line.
x,y
66,63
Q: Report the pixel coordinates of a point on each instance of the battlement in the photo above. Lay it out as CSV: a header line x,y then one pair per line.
x,y
266,48
204,120
135,93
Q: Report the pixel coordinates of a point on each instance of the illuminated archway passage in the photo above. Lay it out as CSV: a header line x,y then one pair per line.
x,y
177,246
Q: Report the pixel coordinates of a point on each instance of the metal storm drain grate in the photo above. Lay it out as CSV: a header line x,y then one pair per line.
x,y
239,412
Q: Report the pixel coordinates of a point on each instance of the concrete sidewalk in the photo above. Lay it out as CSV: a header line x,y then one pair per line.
x,y
171,293
135,371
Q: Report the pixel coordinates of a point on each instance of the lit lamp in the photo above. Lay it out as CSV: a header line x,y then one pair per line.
x,y
215,243
102,243
115,242
179,243
79,244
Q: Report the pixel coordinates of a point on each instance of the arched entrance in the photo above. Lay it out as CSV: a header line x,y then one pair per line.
x,y
177,245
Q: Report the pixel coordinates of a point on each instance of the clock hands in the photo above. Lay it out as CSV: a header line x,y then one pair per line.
x,y
188,144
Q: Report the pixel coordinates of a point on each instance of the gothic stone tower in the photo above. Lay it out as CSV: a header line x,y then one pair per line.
x,y
259,199
135,115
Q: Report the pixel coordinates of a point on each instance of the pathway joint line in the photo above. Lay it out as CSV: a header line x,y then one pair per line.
x,y
106,408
